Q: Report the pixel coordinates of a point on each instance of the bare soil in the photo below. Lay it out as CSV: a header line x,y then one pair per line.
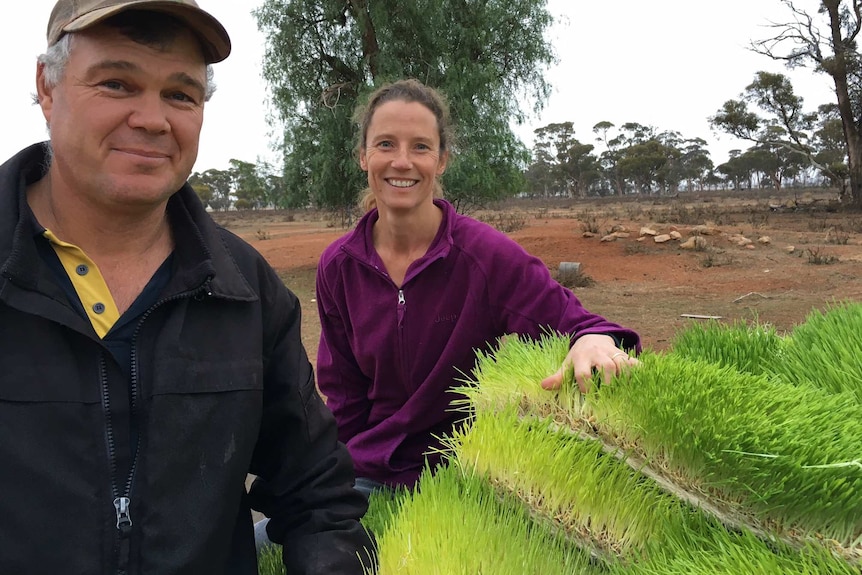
x,y
804,255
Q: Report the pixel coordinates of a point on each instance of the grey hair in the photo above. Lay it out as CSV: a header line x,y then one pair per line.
x,y
56,57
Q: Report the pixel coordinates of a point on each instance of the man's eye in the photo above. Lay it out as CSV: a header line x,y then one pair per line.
x,y
113,84
385,144
182,97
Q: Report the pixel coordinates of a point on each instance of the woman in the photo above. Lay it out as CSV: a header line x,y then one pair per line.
x,y
408,296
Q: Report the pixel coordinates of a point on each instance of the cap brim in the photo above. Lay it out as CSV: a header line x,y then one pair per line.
x,y
213,36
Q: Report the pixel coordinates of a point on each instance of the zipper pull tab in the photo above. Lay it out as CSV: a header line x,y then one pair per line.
x,y
401,300
124,520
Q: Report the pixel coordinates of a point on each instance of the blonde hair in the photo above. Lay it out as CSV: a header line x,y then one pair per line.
x,y
408,90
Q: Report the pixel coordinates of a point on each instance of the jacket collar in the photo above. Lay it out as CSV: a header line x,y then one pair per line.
x,y
360,243
201,258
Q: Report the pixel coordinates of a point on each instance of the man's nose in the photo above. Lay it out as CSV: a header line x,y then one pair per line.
x,y
149,113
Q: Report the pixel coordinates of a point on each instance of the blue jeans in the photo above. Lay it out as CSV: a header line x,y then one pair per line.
x,y
363,485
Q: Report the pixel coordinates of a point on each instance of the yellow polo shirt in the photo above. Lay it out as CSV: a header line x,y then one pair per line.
x,y
88,283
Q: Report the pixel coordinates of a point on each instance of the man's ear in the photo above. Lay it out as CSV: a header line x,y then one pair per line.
x,y
44,93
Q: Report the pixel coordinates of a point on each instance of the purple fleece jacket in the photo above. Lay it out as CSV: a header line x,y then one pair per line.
x,y
388,356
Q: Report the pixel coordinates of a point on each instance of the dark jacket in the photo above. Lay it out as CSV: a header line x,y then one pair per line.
x,y
388,356
221,387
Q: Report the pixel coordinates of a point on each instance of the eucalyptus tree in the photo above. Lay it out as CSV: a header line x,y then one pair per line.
x,y
204,192
783,135
217,186
572,166
541,180
325,56
581,168
824,38
735,171
610,157
831,149
639,158
644,157
740,169
694,164
249,185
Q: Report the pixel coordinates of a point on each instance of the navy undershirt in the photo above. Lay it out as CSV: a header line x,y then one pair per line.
x,y
118,341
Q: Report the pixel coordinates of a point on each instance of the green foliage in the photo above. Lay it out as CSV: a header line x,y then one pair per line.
x,y
563,166
568,479
382,506
243,185
323,57
778,453
705,459
636,159
218,186
249,185
269,561
824,38
753,439
786,138
204,192
629,522
825,351
458,524
745,347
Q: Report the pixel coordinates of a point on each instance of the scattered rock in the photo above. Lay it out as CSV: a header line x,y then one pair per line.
x,y
645,231
694,243
790,249
675,235
749,246
765,240
662,238
739,240
609,238
589,235
704,230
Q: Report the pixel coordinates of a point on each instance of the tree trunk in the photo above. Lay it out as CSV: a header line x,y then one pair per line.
x,y
837,68
370,47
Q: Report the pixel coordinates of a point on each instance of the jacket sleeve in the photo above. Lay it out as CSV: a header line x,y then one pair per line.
x,y
530,300
341,381
305,475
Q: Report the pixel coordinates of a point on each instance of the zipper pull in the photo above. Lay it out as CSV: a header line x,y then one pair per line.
x,y
401,300
124,520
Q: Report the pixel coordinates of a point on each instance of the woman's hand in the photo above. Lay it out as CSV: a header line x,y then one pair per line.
x,y
591,352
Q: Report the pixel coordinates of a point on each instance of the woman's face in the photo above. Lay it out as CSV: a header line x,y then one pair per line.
x,y
402,155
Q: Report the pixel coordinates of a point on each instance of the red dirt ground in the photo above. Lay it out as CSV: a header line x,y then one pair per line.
x,y
637,282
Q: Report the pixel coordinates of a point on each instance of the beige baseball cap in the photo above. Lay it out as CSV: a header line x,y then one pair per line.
x,y
77,15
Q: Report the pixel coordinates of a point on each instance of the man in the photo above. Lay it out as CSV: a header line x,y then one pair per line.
x,y
149,360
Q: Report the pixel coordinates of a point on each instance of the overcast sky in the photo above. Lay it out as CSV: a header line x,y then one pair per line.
x,y
669,64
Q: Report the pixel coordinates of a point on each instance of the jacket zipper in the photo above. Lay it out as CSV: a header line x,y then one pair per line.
x,y
123,501
402,309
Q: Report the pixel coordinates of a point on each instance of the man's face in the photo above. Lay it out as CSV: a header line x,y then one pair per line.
x,y
125,119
